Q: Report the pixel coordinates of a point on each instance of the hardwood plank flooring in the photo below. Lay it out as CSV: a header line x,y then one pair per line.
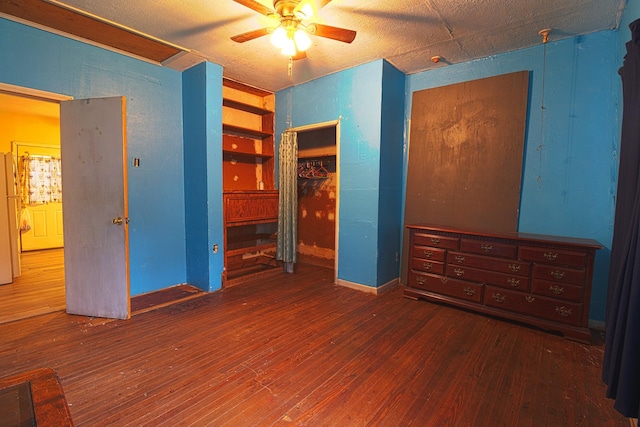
x,y
294,349
38,290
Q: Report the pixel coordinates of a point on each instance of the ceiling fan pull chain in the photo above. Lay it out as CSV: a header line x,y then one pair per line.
x,y
290,67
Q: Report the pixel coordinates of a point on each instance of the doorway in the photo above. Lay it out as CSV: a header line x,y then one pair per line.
x,y
31,124
318,195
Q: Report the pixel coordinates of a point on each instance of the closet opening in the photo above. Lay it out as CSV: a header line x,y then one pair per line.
x,y
318,195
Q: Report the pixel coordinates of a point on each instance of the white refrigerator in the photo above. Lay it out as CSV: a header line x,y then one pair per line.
x,y
9,222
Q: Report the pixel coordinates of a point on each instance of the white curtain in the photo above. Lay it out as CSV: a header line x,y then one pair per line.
x,y
288,199
41,180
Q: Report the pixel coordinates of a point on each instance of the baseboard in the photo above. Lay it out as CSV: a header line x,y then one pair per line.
x,y
368,289
596,324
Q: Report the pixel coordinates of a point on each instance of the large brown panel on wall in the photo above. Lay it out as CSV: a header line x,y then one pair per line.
x,y
465,154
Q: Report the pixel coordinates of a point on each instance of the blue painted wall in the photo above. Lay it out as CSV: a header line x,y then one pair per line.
x,y
355,97
570,163
44,61
202,116
391,170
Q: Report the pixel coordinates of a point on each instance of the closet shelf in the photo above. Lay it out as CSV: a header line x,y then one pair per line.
x,y
245,107
238,130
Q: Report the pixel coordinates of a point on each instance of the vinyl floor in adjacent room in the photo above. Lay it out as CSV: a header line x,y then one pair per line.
x,y
298,350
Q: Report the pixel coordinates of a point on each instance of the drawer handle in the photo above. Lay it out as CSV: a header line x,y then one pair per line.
x,y
513,282
551,256
427,265
459,272
469,291
444,280
529,298
559,275
428,254
435,241
459,259
563,311
498,297
514,267
486,248
421,280
558,290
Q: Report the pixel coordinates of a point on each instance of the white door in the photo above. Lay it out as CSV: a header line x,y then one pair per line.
x,y
94,198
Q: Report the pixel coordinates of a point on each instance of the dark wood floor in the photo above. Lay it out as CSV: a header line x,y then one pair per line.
x,y
298,350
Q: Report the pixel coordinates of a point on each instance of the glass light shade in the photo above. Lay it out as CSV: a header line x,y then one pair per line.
x,y
302,40
279,37
289,48
306,11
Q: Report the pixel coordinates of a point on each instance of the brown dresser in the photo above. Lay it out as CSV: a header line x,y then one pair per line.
x,y
541,280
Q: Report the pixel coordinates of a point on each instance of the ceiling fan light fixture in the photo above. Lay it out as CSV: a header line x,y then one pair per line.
x,y
302,40
289,47
306,11
279,37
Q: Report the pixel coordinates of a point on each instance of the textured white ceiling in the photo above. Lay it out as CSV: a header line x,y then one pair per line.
x,y
405,33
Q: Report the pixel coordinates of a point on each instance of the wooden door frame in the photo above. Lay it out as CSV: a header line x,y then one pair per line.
x,y
37,95
336,125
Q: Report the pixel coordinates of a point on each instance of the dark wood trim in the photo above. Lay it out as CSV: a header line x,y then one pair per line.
x,y
89,27
49,404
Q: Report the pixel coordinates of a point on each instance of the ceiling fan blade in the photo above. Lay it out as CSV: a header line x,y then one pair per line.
x,y
335,33
250,35
257,6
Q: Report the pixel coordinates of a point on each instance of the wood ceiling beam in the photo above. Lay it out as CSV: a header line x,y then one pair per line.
x,y
83,25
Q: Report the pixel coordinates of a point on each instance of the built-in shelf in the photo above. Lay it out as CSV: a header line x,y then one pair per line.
x,y
238,240
245,107
256,248
246,154
252,133
250,200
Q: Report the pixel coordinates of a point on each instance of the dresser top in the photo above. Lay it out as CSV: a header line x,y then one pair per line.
x,y
539,238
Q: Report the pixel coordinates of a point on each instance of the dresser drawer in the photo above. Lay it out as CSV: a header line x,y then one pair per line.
x,y
427,266
558,274
428,253
482,247
534,305
557,290
509,281
553,256
446,286
436,241
521,268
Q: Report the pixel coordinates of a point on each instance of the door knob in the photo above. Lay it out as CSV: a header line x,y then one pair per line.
x,y
120,221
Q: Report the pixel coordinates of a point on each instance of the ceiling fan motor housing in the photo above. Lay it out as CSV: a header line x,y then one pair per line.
x,y
285,8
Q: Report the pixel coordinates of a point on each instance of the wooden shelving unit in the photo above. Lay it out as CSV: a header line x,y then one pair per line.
x,y
250,198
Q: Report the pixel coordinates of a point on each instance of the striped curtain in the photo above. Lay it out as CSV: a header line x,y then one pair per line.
x,y
288,200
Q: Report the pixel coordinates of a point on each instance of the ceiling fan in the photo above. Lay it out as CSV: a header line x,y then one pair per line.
x,y
291,34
